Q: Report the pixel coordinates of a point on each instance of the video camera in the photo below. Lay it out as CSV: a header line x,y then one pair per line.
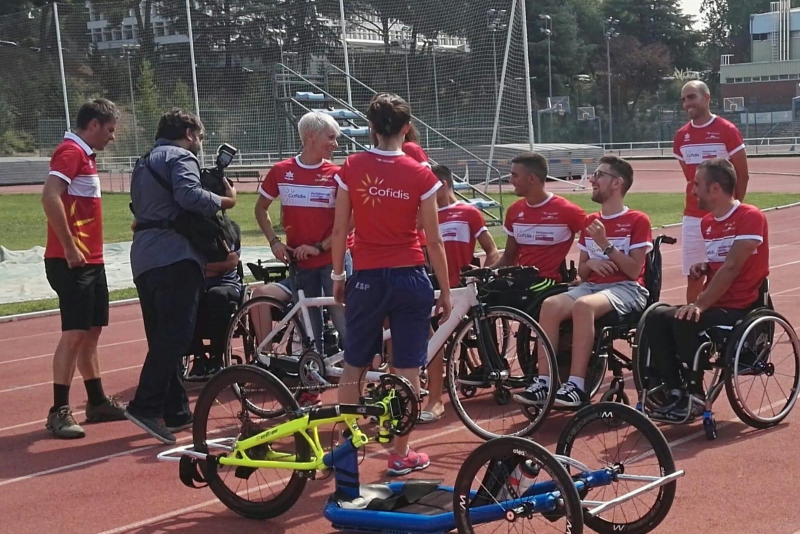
x,y
211,179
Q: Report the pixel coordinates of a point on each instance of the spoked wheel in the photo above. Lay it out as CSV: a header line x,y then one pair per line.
x,y
486,371
513,484
615,436
223,417
762,369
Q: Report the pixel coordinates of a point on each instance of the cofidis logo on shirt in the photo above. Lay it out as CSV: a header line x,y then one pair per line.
x,y
373,191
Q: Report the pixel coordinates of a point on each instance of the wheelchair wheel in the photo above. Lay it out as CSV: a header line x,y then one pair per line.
x,y
762,369
249,326
223,416
639,358
615,436
491,484
486,404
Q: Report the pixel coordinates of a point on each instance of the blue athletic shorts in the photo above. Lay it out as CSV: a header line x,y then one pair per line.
x,y
405,296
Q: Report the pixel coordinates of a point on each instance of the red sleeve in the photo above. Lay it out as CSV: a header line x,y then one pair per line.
x,y
733,140
582,238
66,162
341,175
641,232
415,152
752,225
508,225
578,219
477,223
269,187
428,184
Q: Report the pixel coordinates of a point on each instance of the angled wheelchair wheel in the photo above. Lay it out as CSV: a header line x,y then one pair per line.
x,y
639,359
762,369
613,436
223,416
486,371
513,484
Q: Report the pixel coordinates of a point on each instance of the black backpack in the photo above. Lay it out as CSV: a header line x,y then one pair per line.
x,y
205,233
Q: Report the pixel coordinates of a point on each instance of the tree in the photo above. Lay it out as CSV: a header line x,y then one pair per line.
x,y
182,97
147,108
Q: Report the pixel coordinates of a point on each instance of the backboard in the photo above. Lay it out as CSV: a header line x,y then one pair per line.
x,y
586,113
734,104
558,104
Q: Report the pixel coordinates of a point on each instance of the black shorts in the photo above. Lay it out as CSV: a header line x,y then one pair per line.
x,y
82,293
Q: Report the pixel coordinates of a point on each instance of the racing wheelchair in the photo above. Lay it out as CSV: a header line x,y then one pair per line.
x,y
761,352
256,449
608,329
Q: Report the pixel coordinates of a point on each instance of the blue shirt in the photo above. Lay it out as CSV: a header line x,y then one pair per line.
x,y
158,247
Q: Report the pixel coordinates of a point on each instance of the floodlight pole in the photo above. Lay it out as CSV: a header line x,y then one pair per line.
x,y
344,47
61,63
548,31
609,33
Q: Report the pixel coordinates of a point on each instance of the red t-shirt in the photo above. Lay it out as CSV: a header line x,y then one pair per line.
x,y
416,152
308,201
718,138
545,232
386,189
741,223
460,225
73,161
627,230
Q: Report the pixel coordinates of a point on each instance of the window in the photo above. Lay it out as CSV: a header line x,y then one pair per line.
x,y
728,80
127,32
794,76
747,79
761,36
107,34
737,80
784,76
774,78
97,35
116,34
158,29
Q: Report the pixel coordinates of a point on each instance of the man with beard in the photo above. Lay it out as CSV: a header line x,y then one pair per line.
x,y
736,240
167,268
613,247
704,137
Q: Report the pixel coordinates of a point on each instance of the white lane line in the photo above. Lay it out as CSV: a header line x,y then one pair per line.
x,y
50,354
29,386
31,423
110,325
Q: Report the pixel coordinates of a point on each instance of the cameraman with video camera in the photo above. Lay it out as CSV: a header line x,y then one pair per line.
x,y
175,236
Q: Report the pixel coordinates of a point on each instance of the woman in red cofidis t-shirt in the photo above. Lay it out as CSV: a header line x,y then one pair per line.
x,y
387,193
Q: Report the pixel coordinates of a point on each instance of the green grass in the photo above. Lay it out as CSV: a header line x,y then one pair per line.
x,y
23,224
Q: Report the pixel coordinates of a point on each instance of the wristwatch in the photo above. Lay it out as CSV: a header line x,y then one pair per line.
x,y
320,247
609,249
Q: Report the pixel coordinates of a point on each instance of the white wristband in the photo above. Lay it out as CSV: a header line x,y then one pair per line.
x,y
338,277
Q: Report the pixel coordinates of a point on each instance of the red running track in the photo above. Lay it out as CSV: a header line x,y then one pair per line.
x,y
110,482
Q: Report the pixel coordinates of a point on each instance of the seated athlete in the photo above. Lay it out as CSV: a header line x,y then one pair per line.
x,y
613,248
738,261
541,226
461,225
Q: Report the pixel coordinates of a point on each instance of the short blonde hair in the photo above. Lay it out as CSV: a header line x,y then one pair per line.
x,y
315,122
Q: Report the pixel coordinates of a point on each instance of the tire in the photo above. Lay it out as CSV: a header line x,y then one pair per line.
x,y
220,390
522,420
498,455
639,354
612,415
244,325
745,357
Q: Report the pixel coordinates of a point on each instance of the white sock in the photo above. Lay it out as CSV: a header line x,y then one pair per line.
x,y
580,382
545,379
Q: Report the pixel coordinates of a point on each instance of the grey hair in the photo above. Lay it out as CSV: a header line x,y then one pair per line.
x,y
699,85
315,122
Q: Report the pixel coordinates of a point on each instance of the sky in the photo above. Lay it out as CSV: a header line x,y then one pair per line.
x,y
692,7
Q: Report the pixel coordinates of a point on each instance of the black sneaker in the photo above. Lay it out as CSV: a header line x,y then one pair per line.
x,y
213,366
178,426
683,410
109,410
198,371
477,377
154,426
570,396
534,395
674,397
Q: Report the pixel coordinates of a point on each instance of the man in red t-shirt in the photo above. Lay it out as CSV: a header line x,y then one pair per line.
x,y
737,247
704,137
307,189
541,226
74,266
613,247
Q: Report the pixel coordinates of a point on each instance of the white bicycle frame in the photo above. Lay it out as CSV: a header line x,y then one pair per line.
x,y
462,299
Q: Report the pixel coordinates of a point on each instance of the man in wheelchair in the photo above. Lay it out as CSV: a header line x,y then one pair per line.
x,y
222,296
541,228
613,245
738,262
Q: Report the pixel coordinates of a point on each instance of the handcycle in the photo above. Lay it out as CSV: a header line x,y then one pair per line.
x,y
761,349
485,333
276,446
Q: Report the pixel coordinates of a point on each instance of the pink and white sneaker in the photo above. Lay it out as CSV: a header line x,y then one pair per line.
x,y
414,461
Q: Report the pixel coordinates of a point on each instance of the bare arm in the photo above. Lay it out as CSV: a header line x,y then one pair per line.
x,y
341,227
56,214
222,267
436,254
509,257
265,223
631,266
739,161
740,251
489,247
583,269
